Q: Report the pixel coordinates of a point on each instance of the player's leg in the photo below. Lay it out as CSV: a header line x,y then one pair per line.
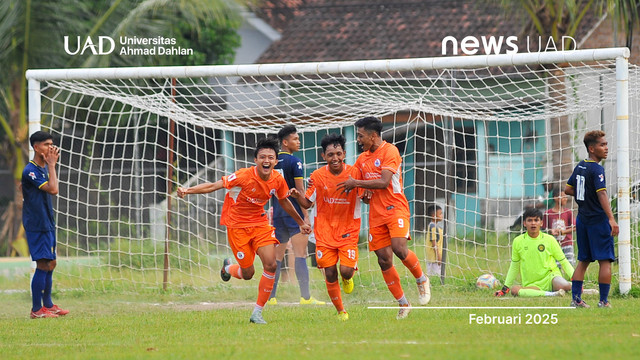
x,y
348,255
584,259
240,243
399,237
327,259
282,234
299,242
560,283
264,241
40,249
602,247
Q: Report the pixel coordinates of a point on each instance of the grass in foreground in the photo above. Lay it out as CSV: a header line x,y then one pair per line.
x,y
115,326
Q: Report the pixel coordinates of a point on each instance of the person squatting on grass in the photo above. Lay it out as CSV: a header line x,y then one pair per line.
x,y
248,229
534,255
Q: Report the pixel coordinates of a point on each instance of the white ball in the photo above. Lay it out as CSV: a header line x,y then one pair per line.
x,y
488,281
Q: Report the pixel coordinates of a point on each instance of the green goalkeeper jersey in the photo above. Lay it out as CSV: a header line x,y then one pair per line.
x,y
536,259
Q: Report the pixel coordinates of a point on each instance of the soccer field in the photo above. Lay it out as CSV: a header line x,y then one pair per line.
x,y
211,325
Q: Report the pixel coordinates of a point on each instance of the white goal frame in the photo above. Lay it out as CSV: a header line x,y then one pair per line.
x,y
620,55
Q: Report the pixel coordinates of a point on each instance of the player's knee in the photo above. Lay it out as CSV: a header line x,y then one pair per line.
x,y
247,273
269,267
346,273
385,263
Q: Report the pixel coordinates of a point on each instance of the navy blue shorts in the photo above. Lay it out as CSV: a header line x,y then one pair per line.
x,y
42,244
594,241
286,227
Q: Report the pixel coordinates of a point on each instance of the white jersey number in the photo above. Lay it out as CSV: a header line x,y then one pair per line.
x,y
580,180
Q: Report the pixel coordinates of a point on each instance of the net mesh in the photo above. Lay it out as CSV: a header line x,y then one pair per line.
x,y
480,143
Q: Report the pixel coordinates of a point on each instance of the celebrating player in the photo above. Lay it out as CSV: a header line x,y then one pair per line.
x,y
380,166
534,255
39,182
243,213
337,220
290,167
595,224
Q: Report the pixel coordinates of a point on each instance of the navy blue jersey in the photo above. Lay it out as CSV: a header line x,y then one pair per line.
x,y
37,209
290,167
587,179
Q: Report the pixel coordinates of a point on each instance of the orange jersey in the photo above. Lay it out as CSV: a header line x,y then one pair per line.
x,y
248,193
390,203
337,213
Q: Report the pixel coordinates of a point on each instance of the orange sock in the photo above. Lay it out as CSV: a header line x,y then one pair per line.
x,y
413,264
392,279
234,270
334,294
264,287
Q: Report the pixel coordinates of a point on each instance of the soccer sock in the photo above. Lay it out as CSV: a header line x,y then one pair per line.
x,y
275,283
302,274
264,288
48,284
531,293
334,294
37,287
392,279
604,292
576,290
413,264
234,270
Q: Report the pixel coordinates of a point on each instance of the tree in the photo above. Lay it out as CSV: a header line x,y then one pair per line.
x,y
553,19
32,33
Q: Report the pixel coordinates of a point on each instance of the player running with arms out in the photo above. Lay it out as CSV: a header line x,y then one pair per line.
x,y
595,224
337,219
534,255
380,166
39,182
243,213
290,167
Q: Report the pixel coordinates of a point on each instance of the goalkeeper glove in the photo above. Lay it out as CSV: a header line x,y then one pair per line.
x,y
504,291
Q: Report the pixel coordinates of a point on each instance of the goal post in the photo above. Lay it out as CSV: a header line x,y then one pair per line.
x,y
479,135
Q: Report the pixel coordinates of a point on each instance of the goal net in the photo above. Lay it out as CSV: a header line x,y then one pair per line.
x,y
483,137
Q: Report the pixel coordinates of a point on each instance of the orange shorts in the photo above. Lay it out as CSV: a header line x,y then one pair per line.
x,y
380,236
328,256
245,242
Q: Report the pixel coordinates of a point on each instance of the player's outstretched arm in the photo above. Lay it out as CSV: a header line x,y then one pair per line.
x,y
603,198
288,207
302,200
381,183
203,188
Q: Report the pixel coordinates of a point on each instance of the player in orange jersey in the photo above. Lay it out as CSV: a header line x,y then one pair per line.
x,y
243,213
380,166
337,219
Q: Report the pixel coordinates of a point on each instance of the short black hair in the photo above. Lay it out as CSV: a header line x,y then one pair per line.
x,y
39,136
591,138
266,143
432,209
286,131
531,213
333,139
370,123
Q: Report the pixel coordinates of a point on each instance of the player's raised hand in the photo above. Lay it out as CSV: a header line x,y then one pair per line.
x,y
52,155
502,292
181,192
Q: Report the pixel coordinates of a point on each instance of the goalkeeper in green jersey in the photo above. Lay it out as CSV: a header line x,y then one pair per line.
x,y
534,255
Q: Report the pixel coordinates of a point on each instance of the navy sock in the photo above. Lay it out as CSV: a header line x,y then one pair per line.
x,y
46,296
576,290
37,286
302,273
275,283
604,292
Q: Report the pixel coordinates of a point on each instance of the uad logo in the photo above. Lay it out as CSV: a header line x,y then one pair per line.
x,y
105,45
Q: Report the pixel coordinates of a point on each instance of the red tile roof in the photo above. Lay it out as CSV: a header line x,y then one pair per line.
x,y
326,30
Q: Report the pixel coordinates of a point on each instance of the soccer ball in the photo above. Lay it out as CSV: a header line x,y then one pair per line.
x,y
488,281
